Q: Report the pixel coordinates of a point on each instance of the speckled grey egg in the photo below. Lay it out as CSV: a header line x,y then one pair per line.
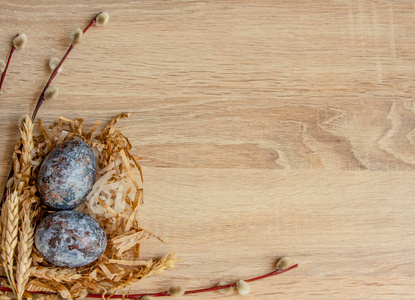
x,y
67,175
70,239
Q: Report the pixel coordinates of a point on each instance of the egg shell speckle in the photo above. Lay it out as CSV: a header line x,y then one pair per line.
x,y
67,175
70,239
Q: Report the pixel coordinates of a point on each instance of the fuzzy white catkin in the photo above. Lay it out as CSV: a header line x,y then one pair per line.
x,y
2,66
76,36
20,41
51,93
226,291
242,287
284,263
53,64
176,291
102,19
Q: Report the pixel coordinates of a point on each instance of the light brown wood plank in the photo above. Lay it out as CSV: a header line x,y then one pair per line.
x,y
266,128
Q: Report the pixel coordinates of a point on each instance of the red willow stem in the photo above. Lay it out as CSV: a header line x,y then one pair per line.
x,y
91,23
55,72
1,84
7,66
216,288
42,95
166,294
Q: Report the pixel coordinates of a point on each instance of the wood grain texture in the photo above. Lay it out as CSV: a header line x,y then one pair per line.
x,y
267,128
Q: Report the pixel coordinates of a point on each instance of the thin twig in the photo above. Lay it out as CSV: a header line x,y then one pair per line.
x,y
55,72
7,66
166,294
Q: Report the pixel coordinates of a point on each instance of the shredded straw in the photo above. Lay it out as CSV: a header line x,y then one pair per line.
x,y
114,202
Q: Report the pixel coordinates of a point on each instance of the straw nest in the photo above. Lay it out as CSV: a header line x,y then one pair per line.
x,y
114,202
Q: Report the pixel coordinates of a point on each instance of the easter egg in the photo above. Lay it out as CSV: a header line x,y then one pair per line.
x,y
70,239
67,175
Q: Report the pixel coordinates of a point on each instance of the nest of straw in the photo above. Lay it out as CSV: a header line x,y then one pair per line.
x,y
114,202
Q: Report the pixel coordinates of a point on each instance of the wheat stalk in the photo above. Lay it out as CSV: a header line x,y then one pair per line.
x,y
25,243
26,132
28,145
55,274
10,222
24,259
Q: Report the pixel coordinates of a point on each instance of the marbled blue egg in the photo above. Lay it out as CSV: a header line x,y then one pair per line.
x,y
67,175
70,239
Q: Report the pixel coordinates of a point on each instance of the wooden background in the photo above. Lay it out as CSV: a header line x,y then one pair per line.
x,y
267,128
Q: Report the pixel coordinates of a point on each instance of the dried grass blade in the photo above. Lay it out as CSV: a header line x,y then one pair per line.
x,y
62,118
75,289
114,121
93,129
55,274
129,262
107,272
126,237
107,208
45,135
131,218
61,289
